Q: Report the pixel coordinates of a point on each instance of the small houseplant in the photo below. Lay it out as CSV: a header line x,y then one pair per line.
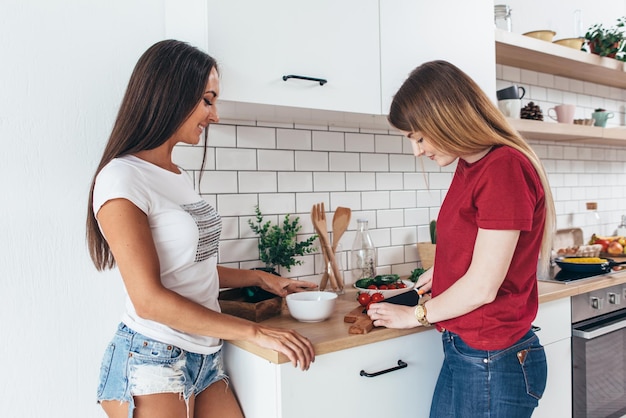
x,y
607,42
278,244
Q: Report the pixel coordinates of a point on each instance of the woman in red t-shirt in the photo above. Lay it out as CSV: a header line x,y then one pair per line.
x,y
494,225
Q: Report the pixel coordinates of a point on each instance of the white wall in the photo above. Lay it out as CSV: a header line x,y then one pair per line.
x,y
64,66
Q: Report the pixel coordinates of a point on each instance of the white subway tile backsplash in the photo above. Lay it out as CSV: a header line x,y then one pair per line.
x,y
359,142
374,162
295,182
277,203
235,159
236,204
219,182
257,182
401,163
375,200
360,181
311,161
388,144
529,77
286,168
389,181
299,139
329,182
403,199
328,141
275,160
404,235
256,137
344,161
221,135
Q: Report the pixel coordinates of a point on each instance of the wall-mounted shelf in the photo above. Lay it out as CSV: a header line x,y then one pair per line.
x,y
533,54
561,132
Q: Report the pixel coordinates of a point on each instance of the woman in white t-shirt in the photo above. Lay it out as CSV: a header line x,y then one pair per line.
x,y
145,217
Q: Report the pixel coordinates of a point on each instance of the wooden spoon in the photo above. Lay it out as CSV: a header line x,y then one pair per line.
x,y
341,220
318,216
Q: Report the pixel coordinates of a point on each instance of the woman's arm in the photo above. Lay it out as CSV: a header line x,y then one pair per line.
x,y
128,234
493,252
280,286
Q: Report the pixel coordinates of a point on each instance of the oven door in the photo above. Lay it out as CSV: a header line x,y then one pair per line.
x,y
599,366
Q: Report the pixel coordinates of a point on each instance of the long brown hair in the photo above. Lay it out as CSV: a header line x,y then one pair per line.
x,y
446,105
166,85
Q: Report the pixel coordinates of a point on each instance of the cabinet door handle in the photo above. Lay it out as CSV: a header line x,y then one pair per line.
x,y
401,365
303,77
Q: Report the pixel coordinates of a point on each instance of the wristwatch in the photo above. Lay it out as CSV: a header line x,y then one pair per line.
x,y
420,314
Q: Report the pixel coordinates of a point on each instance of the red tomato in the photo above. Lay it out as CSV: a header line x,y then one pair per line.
x,y
377,297
392,286
401,285
603,242
364,299
372,286
383,287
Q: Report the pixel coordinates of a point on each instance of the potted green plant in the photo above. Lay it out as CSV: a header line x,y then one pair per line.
x,y
278,244
607,42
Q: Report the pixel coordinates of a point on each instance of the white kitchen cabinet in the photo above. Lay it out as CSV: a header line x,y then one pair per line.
x,y
554,318
415,31
256,43
333,386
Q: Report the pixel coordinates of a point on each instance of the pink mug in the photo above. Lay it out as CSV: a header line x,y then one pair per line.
x,y
564,113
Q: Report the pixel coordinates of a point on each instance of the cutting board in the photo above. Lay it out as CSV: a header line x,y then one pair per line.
x,y
361,322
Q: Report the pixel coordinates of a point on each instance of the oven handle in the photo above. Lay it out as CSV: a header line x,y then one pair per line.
x,y
590,335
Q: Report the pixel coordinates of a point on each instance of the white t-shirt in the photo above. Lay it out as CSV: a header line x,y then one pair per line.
x,y
186,231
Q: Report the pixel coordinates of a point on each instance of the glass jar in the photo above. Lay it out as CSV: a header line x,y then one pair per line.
x,y
363,252
502,17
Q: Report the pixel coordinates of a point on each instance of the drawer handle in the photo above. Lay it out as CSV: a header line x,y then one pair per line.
x,y
302,77
401,365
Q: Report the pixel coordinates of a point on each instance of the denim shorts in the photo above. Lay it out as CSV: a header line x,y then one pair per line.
x,y
478,383
135,365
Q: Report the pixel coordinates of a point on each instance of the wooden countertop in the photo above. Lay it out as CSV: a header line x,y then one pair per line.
x,y
332,335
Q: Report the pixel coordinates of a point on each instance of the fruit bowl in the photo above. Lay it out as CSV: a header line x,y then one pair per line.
x,y
311,306
388,292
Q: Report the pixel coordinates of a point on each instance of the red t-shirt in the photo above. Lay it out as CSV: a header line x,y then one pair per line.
x,y
500,191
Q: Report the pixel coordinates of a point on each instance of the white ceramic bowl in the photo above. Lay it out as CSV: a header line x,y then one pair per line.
x,y
388,293
313,306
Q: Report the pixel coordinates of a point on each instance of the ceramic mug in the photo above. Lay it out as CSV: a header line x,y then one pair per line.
x,y
511,108
512,92
600,118
564,113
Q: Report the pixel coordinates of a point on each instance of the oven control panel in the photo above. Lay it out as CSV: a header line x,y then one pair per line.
x,y
598,302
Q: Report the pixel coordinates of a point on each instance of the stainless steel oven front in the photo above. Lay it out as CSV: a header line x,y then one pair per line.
x,y
599,353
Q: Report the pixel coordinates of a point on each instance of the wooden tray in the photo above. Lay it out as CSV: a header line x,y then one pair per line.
x,y
232,302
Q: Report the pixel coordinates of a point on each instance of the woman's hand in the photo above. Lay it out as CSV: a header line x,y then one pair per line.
x,y
390,315
424,282
296,347
282,286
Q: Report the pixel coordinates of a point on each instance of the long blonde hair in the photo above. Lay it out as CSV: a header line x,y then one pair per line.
x,y
446,105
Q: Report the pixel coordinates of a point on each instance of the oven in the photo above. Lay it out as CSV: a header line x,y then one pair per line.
x,y
599,353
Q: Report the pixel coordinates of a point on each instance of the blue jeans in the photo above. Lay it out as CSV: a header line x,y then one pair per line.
x,y
135,365
474,383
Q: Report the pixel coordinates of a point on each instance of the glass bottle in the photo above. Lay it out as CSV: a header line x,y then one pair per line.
x,y
621,229
593,219
363,252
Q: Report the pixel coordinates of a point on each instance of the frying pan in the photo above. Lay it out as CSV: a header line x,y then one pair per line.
x,y
599,268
